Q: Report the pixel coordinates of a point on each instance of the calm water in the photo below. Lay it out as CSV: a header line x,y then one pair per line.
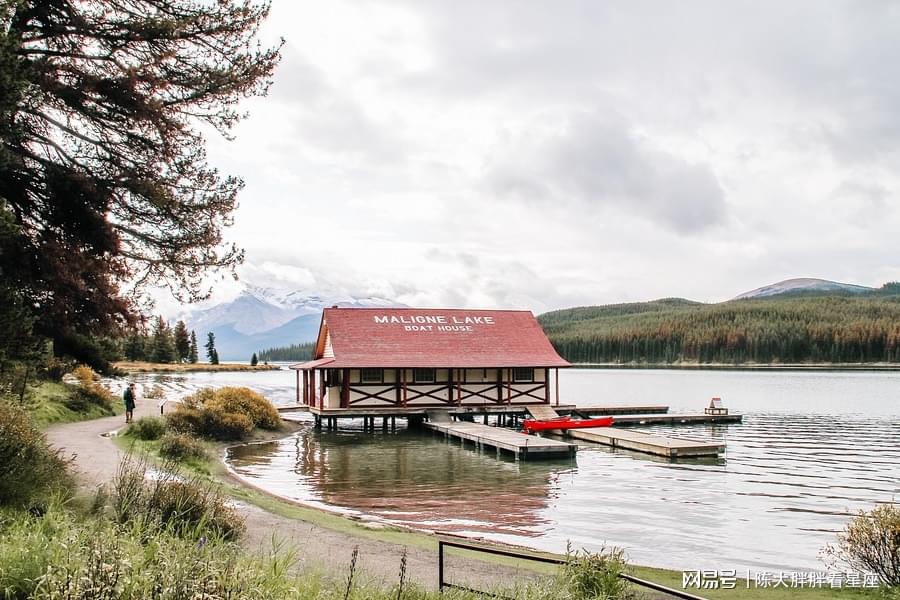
x,y
813,448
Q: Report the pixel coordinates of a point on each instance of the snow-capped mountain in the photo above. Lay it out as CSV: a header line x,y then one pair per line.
x,y
261,318
804,285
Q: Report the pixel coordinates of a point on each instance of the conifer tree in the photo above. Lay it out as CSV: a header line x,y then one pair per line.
x,y
104,179
162,344
193,356
254,360
211,352
182,342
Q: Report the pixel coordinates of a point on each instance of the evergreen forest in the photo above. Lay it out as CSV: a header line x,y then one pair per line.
x,y
797,328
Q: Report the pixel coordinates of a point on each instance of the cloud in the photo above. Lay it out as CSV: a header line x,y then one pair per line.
x,y
597,162
517,153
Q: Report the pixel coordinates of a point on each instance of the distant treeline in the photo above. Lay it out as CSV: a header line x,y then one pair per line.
x,y
787,329
294,352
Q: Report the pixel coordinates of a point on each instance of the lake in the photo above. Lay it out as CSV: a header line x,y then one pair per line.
x,y
814,448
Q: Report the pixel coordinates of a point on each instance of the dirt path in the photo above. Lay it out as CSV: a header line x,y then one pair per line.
x,y
97,458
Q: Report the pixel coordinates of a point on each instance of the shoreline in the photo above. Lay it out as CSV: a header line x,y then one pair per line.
x,y
132,367
876,367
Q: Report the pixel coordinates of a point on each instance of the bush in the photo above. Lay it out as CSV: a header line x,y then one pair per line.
x,y
596,574
225,426
172,501
180,446
29,468
89,393
245,401
185,419
871,543
225,414
147,428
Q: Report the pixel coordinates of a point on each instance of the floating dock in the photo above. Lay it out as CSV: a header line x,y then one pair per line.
x,y
521,445
645,442
675,419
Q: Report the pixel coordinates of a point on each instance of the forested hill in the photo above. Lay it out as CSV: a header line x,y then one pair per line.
x,y
785,329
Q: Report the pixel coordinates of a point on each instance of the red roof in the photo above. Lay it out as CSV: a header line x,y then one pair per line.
x,y
414,337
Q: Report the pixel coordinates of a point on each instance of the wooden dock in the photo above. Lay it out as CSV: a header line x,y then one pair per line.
x,y
521,445
645,442
601,411
674,419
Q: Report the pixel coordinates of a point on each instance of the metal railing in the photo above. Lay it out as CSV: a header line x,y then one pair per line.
x,y
445,540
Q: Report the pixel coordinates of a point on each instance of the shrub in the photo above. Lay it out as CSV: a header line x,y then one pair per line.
x,y
596,574
29,468
199,398
226,426
180,446
147,428
89,392
225,414
85,375
185,419
172,501
245,401
871,543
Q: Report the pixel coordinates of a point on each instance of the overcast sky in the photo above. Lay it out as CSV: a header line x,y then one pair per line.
x,y
549,154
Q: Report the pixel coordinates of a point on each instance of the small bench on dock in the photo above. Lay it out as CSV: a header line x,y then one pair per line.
x,y
521,445
645,442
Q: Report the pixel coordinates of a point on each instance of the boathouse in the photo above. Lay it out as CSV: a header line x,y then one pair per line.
x,y
393,360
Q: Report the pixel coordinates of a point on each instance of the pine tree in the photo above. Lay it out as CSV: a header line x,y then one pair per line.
x,y
135,347
211,352
162,345
182,342
103,110
254,360
193,357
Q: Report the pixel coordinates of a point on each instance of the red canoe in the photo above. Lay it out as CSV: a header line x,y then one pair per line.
x,y
532,425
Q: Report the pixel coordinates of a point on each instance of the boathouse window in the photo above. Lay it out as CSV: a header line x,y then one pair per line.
x,y
523,374
423,376
371,375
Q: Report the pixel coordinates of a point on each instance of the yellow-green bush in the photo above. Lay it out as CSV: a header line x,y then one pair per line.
x,y
245,401
29,469
225,414
89,392
181,446
871,543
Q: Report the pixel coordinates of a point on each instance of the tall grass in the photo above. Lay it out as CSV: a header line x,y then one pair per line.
x,y
29,469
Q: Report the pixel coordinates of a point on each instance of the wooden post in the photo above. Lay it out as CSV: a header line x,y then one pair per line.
x,y
345,388
298,386
508,386
403,371
397,386
307,401
322,386
499,386
449,386
557,387
547,385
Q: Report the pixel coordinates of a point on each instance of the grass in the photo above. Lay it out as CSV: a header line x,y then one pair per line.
x,y
215,471
148,367
48,405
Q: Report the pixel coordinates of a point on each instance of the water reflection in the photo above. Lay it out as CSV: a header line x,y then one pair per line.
x,y
410,478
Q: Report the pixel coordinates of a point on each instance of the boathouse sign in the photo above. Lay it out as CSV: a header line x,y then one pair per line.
x,y
443,323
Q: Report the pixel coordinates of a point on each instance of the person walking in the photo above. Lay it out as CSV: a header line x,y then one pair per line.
x,y
128,396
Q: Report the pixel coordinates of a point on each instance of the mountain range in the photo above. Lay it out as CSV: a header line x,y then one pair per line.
x,y
260,318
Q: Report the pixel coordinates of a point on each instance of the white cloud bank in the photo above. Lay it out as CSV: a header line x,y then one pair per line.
x,y
542,155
